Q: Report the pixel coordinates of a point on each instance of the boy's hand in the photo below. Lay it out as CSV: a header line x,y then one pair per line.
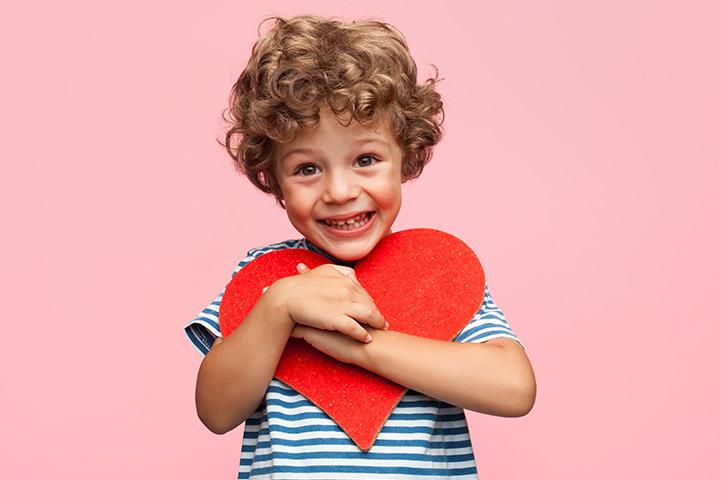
x,y
329,297
335,344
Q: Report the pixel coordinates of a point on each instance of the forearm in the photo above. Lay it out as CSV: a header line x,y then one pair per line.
x,y
485,378
235,374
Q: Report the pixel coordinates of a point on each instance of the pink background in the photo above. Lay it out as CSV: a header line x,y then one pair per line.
x,y
581,163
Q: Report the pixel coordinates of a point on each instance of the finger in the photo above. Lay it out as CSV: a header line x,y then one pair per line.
x,y
366,313
364,293
297,332
302,268
341,268
351,328
348,272
265,289
361,296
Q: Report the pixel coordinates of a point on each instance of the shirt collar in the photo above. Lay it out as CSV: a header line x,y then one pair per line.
x,y
347,263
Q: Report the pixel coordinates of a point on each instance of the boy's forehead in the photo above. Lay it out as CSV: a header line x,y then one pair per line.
x,y
354,134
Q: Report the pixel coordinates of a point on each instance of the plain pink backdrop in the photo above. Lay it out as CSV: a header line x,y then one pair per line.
x,y
581,163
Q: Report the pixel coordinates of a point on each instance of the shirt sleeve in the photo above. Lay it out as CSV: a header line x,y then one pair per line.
x,y
487,323
205,327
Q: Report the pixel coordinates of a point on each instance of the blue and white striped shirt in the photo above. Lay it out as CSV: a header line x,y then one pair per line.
x,y
288,437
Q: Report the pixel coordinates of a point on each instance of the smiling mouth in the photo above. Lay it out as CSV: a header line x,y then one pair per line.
x,y
350,223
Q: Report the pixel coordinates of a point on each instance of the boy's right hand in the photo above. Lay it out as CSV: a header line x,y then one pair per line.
x,y
329,297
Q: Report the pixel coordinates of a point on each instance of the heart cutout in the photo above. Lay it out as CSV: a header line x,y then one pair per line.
x,y
425,282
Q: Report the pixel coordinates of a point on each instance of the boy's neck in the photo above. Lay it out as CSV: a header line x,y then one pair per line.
x,y
336,261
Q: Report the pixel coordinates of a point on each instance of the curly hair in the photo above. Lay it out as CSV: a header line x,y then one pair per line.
x,y
361,70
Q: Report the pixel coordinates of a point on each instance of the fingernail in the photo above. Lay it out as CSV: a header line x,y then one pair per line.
x,y
387,325
368,338
265,289
302,266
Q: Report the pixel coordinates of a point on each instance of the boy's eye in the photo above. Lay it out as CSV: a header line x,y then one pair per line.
x,y
366,160
306,170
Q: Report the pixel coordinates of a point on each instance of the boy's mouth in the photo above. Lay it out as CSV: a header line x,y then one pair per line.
x,y
350,223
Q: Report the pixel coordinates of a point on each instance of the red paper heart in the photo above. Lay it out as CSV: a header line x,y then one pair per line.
x,y
425,282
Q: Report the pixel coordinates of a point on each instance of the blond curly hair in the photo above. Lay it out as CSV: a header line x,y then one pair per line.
x,y
361,70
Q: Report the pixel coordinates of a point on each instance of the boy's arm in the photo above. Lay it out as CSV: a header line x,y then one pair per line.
x,y
494,377
236,372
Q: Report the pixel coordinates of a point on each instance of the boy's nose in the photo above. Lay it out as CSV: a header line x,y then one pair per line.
x,y
340,188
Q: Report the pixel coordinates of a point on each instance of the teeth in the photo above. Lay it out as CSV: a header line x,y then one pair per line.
x,y
350,221
354,222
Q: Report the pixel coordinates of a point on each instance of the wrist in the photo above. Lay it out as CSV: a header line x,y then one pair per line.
x,y
367,354
275,302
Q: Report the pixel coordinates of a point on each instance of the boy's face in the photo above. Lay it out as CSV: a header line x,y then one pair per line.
x,y
331,173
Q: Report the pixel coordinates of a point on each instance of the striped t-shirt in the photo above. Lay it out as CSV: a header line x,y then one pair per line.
x,y
288,437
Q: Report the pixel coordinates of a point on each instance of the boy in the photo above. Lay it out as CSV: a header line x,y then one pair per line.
x,y
331,123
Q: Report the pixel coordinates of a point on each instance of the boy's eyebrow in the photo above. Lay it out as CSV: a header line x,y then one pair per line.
x,y
309,151
297,150
363,141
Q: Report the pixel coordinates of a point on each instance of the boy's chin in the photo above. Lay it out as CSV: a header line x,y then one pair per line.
x,y
349,252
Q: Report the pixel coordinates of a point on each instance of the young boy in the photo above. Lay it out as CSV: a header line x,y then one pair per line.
x,y
331,122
